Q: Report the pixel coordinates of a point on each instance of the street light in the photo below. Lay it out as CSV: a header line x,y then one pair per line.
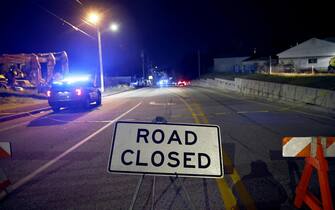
x,y
95,18
114,27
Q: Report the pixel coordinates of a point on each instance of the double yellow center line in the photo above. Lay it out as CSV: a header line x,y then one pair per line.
x,y
228,197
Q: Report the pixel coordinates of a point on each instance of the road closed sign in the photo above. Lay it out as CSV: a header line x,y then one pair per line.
x,y
190,150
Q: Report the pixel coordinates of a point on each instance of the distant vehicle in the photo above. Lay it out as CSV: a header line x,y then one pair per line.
x,y
3,82
24,83
140,83
73,92
3,86
182,83
166,82
163,83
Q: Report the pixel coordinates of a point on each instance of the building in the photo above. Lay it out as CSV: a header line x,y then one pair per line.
x,y
258,64
250,64
312,54
232,64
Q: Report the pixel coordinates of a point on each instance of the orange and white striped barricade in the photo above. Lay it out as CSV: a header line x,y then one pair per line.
x,y
5,152
315,150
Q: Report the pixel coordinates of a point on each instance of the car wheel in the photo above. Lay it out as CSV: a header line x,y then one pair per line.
x,y
98,102
55,108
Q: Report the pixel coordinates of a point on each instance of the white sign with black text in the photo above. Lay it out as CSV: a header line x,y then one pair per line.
x,y
191,150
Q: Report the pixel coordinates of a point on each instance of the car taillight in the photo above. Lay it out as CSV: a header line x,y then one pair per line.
x,y
48,93
78,92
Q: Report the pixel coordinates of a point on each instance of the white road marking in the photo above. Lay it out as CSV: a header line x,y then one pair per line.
x,y
53,161
248,112
161,104
220,113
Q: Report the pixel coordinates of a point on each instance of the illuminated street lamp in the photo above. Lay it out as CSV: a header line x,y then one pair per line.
x,y
95,18
114,27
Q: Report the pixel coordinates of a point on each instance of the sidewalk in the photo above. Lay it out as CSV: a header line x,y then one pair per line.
x,y
27,106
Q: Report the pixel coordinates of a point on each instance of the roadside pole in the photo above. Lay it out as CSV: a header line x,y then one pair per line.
x,y
270,64
199,63
100,61
142,56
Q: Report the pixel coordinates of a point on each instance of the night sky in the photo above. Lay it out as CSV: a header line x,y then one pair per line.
x,y
169,32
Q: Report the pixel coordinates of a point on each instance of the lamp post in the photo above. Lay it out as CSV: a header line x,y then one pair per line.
x,y
94,19
100,62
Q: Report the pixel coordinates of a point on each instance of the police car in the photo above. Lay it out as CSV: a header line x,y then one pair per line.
x,y
73,92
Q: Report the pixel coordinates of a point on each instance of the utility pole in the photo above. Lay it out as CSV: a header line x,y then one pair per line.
x,y
270,64
142,56
199,63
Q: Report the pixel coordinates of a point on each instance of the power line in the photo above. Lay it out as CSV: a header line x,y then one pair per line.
x,y
66,22
79,2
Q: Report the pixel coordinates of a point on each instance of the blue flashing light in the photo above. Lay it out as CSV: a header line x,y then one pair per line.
x,y
73,79
57,82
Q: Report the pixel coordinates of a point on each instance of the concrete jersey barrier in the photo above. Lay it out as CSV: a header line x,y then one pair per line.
x,y
273,91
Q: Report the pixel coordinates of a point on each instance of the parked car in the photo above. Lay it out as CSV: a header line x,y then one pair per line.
x,y
3,86
3,82
24,83
140,83
73,92
182,83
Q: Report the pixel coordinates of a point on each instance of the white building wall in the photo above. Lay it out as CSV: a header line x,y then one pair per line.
x,y
302,63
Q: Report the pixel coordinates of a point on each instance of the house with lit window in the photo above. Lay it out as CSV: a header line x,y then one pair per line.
x,y
313,54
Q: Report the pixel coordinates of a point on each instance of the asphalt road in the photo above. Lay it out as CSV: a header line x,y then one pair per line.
x,y
60,159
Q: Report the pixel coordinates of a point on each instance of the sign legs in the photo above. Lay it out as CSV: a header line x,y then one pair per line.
x,y
153,186
153,193
139,183
186,193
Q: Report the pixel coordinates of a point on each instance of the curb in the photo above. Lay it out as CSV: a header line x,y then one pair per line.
x,y
23,114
